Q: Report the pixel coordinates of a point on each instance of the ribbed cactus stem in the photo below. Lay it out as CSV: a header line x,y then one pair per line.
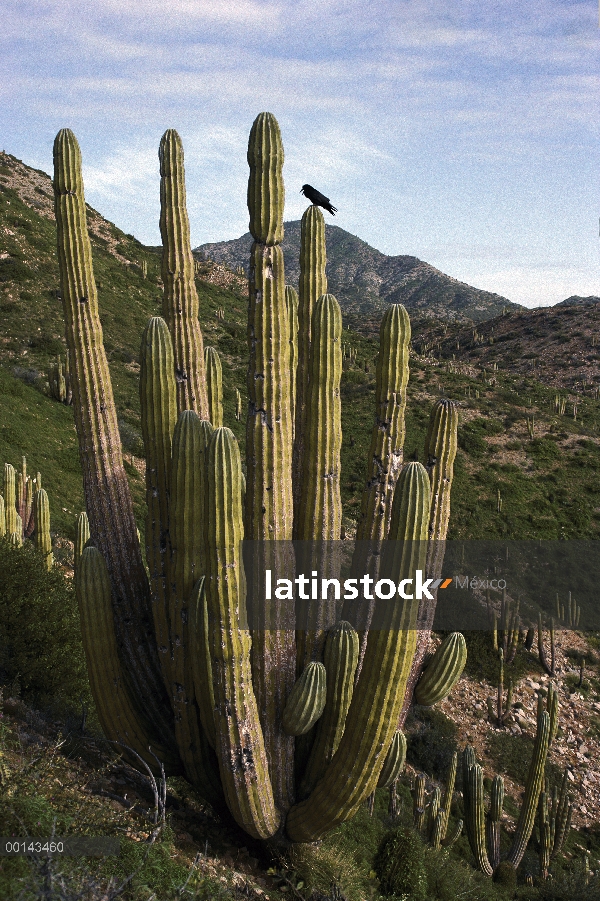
x,y
306,702
387,438
214,386
239,739
440,453
28,521
21,493
475,814
43,541
10,509
158,403
312,285
119,716
2,517
340,659
418,794
266,192
377,698
291,305
494,820
443,671
106,489
268,496
320,514
533,787
180,300
200,661
82,535
188,497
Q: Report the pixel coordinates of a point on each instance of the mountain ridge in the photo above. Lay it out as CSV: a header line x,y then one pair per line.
x,y
365,280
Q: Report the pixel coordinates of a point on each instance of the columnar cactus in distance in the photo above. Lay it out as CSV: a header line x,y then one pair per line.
x,y
186,624
43,541
485,840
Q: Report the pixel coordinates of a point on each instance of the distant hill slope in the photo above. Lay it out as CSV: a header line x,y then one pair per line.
x,y
365,281
575,300
559,346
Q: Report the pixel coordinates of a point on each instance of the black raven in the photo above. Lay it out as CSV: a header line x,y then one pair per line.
x,y
318,199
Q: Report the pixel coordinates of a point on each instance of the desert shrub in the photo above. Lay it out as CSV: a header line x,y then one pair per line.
x,y
400,864
131,438
431,740
569,886
449,878
40,638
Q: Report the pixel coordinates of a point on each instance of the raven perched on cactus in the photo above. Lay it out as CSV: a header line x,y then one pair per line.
x,y
318,199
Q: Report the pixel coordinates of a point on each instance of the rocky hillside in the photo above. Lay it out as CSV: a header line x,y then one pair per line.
x,y
558,346
364,280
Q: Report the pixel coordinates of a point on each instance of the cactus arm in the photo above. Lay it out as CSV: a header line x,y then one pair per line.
x,y
440,453
443,671
306,702
180,300
2,517
387,438
118,715
158,403
187,521
312,285
291,303
200,660
239,739
394,762
340,659
214,386
106,490
371,722
268,495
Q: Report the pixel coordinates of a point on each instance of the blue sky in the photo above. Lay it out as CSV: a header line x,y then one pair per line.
x,y
465,134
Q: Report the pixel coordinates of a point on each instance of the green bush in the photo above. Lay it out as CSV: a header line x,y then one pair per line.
x,y
400,864
431,740
40,637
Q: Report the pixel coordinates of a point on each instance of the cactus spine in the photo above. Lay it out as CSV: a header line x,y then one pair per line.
x,y
214,385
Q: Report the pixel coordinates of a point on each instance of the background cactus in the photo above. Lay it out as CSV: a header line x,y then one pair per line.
x,y
197,517
484,840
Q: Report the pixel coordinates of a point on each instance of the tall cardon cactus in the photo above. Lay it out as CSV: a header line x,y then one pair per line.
x,y
266,717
